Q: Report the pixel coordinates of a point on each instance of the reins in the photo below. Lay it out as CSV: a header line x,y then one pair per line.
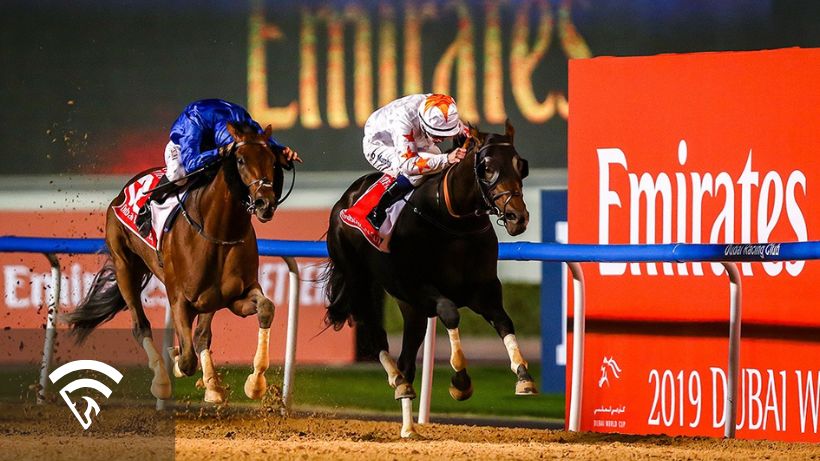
x,y
201,230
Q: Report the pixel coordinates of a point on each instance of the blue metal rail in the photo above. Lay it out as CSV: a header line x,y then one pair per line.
x,y
517,251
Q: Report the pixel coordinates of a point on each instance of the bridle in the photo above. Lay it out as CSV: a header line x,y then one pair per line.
x,y
250,207
486,188
248,202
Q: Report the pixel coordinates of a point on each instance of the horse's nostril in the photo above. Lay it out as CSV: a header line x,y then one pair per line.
x,y
260,203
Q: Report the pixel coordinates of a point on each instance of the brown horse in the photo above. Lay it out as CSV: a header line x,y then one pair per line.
x,y
207,263
443,255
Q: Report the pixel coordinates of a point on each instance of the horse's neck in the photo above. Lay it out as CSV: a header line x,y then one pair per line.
x,y
462,187
222,214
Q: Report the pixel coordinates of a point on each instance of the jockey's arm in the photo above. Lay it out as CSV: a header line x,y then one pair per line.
x,y
415,160
189,138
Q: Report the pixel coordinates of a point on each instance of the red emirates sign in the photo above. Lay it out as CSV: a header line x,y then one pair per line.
x,y
698,148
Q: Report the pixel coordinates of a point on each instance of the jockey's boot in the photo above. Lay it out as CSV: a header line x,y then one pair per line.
x,y
392,194
143,220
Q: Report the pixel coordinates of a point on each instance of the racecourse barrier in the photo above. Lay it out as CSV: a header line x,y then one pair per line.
x,y
573,254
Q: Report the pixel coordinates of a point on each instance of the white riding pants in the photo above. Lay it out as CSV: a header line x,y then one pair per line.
x,y
173,162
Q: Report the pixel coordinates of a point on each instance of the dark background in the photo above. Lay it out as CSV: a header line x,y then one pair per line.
x,y
93,86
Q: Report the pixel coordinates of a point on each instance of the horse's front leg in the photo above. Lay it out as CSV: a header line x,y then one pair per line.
x,y
211,382
489,303
255,300
184,358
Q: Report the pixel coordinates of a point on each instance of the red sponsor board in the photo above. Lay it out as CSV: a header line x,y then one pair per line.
x,y
698,148
27,280
678,386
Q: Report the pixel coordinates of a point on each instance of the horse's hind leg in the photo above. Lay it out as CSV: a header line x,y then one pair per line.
x,y
131,271
396,377
214,392
461,386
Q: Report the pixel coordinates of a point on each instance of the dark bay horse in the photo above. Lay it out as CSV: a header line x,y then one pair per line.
x,y
443,255
207,263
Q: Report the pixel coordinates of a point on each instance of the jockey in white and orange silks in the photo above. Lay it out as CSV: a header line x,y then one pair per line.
x,y
400,140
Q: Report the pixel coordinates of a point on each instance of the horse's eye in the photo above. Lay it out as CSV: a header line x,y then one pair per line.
x,y
240,160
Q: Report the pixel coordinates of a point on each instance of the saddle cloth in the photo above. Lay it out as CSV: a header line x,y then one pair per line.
x,y
136,194
356,215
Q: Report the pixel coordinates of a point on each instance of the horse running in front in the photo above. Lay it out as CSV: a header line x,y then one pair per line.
x,y
443,255
207,263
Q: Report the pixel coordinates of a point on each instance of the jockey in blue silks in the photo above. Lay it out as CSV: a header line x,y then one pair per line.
x,y
198,138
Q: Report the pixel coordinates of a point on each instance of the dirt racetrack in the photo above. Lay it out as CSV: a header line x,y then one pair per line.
x,y
246,434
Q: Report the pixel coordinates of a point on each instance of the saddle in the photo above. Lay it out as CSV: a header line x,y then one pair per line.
x,y
356,215
164,208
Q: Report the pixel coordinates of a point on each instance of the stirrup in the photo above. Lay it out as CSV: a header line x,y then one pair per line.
x,y
143,221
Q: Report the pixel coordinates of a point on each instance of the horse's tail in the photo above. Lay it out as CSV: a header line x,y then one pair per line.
x,y
340,304
102,302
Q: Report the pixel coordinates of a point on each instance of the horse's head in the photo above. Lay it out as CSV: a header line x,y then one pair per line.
x,y
259,168
500,170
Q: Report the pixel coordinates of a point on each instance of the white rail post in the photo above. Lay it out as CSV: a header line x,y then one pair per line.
x,y
51,321
578,332
733,372
167,343
427,364
290,344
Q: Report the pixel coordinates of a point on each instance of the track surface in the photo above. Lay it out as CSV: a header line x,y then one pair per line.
x,y
257,434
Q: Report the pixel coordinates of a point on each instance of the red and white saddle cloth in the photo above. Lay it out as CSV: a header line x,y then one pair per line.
x,y
136,194
356,216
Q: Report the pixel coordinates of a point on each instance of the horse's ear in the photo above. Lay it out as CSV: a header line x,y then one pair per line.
x,y
268,131
232,130
477,135
509,130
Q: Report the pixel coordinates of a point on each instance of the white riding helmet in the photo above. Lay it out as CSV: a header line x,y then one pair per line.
x,y
439,115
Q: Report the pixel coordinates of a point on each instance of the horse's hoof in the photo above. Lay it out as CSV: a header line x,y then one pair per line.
x,y
215,396
404,391
255,386
411,435
461,395
461,386
161,390
177,372
525,388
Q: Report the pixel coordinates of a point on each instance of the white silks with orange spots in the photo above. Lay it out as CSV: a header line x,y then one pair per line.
x,y
395,141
